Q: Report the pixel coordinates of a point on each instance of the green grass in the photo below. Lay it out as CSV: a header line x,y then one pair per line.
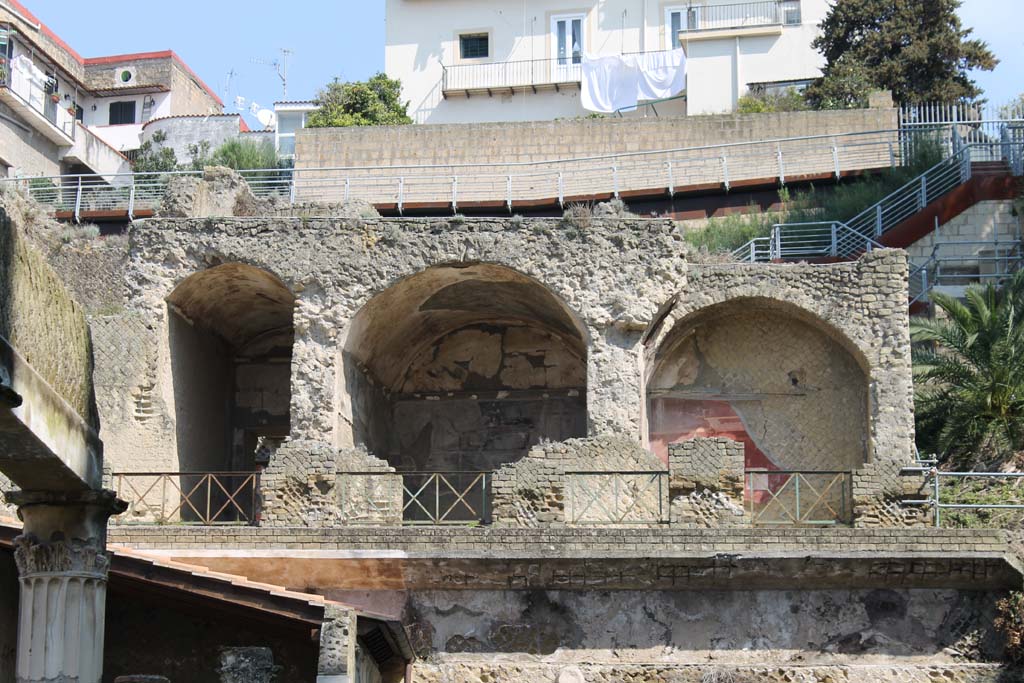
x,y
834,203
1007,491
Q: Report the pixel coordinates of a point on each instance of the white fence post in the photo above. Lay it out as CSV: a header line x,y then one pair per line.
x,y
78,201
131,200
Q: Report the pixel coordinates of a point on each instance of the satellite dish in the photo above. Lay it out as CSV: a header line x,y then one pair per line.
x,y
266,117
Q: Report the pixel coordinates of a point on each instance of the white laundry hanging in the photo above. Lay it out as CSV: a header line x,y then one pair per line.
x,y
621,82
608,84
661,74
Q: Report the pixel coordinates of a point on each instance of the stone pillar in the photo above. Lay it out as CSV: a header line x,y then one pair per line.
x,y
337,662
62,566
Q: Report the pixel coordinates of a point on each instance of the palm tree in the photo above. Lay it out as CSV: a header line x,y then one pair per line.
x,y
969,375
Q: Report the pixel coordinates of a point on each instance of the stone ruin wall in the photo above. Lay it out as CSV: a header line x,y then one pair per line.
x,y
627,280
848,636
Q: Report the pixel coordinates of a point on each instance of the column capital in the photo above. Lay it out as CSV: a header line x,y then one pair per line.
x,y
63,557
64,531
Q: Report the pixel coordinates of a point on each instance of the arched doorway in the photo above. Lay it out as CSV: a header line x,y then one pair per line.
x,y
230,340
788,386
463,368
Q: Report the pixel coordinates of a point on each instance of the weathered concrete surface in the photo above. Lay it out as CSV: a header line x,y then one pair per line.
x,y
656,673
38,317
48,416
684,627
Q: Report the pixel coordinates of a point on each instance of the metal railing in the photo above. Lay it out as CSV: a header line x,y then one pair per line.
x,y
958,488
949,266
836,239
665,171
706,17
799,498
609,498
203,498
517,74
974,121
39,98
446,497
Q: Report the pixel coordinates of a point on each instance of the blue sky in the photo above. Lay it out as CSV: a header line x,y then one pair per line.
x,y
343,38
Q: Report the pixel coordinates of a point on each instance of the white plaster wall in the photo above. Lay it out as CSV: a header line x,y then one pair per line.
x,y
421,35
126,136
122,138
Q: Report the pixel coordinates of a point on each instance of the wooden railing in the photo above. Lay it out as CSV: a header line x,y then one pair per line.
x,y
608,498
203,498
446,497
798,498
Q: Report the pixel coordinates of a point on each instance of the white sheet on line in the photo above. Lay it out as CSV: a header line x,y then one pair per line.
x,y
608,84
621,82
661,74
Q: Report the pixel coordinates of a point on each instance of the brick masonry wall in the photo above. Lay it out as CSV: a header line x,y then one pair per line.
x,y
706,483
309,483
560,483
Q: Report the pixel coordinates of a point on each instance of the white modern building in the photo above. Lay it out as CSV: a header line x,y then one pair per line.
x,y
290,116
520,60
64,113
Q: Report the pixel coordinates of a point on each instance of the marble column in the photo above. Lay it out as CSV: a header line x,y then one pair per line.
x,y
62,567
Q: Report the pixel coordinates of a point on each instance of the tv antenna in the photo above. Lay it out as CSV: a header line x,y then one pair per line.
x,y
227,85
280,66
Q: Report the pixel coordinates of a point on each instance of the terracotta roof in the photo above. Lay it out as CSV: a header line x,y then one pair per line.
x,y
110,59
10,527
23,11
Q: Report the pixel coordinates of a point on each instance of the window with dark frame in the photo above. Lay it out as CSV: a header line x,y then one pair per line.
x,y
122,113
474,46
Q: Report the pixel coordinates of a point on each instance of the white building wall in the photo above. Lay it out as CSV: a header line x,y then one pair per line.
x,y
421,35
127,136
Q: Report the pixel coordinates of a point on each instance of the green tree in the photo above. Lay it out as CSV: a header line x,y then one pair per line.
x,y
969,372
153,157
376,102
915,48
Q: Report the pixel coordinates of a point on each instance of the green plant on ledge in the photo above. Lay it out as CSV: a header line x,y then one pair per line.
x,y
1010,623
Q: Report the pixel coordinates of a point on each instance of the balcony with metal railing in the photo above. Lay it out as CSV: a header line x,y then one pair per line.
x,y
510,77
28,94
706,21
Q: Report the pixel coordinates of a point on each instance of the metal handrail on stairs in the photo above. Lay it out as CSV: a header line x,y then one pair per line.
x,y
794,241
